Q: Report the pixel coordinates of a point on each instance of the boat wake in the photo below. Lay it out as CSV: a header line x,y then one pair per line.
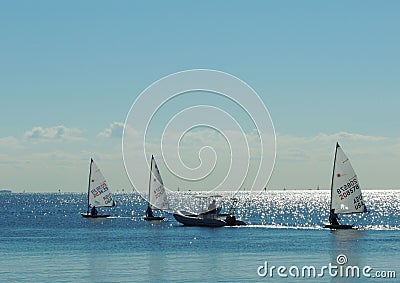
x,y
317,227
121,217
264,226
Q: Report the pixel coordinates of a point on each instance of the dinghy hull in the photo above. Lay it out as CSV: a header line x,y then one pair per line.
x,y
338,227
155,218
88,215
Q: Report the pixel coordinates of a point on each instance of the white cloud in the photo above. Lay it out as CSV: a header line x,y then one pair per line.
x,y
199,153
302,162
297,148
57,133
9,142
115,130
348,136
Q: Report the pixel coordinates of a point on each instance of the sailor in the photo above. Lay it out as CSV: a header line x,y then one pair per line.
x,y
212,207
230,220
149,212
333,217
94,211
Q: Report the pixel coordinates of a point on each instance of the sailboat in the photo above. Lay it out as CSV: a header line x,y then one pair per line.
x,y
98,194
157,197
346,196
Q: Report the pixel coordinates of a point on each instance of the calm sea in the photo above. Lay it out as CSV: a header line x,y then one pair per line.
x,y
43,238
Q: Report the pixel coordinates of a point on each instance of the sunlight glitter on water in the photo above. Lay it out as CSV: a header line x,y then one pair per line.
x,y
272,209
306,209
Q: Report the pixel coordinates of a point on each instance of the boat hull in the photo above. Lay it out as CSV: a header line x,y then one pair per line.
x,y
239,223
338,227
190,219
197,221
88,215
154,218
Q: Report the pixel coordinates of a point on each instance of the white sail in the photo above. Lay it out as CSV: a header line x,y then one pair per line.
x,y
346,194
157,194
99,194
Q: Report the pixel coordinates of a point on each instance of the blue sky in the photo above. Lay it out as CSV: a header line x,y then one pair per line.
x,y
326,71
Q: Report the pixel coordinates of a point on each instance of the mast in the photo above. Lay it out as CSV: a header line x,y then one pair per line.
x,y
88,189
151,169
333,173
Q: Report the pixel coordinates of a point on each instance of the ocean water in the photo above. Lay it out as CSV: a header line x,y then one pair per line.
x,y
43,238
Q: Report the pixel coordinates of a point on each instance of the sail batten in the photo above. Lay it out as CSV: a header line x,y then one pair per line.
x,y
346,196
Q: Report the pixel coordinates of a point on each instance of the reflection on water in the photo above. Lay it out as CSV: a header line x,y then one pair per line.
x,y
156,258
346,250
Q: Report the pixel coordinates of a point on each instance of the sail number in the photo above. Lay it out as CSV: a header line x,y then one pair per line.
x,y
108,198
159,191
99,190
358,202
348,188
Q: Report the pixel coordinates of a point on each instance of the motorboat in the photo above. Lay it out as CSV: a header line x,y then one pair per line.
x,y
210,217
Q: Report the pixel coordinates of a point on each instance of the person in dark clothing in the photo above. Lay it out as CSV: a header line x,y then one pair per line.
x,y
94,211
149,212
333,218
